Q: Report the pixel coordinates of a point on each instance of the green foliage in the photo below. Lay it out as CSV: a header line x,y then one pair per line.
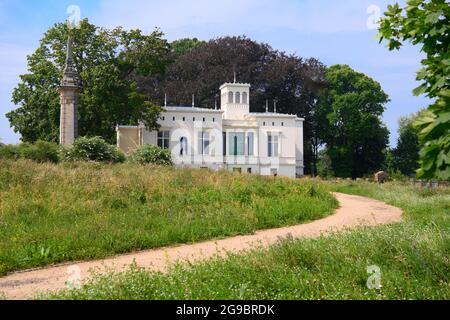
x,y
324,165
8,151
40,151
86,210
92,149
434,134
412,256
183,46
150,154
348,115
405,157
105,60
427,23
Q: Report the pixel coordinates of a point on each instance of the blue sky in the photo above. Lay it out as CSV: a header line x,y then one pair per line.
x,y
332,31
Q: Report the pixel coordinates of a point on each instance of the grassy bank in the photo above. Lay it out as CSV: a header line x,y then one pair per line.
x,y
413,258
55,213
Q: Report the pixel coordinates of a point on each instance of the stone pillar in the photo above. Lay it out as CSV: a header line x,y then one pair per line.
x,y
68,130
69,90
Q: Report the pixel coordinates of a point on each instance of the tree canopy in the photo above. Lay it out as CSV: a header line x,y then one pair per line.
x,y
349,122
182,46
405,157
106,61
427,23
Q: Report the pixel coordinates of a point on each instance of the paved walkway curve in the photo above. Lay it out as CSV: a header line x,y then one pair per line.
x,y
354,211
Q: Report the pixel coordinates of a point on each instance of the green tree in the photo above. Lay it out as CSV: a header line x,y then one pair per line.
x,y
183,46
405,157
348,114
427,24
106,61
324,165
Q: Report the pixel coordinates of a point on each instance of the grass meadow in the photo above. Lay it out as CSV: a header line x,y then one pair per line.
x,y
81,211
413,258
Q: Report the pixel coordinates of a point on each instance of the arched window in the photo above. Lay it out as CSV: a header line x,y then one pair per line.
x,y
238,97
244,98
183,146
230,97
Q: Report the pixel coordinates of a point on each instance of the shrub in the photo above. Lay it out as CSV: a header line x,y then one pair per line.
x,y
92,149
151,154
41,151
9,152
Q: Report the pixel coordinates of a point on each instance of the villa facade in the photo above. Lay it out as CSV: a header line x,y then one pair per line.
x,y
232,138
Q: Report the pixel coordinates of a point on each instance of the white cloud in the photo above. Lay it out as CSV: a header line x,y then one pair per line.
x,y
179,18
171,15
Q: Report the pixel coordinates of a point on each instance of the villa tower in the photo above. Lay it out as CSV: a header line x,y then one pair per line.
x,y
235,100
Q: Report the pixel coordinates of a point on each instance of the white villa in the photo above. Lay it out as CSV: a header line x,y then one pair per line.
x,y
232,138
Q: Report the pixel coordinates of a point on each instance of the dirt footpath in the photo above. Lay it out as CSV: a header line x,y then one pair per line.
x,y
354,211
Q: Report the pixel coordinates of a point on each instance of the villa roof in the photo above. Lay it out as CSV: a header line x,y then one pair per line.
x,y
235,84
272,115
191,109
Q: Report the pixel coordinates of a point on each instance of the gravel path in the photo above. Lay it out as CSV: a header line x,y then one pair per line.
x,y
354,211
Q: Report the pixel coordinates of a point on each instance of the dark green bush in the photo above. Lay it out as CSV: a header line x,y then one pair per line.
x,y
9,152
149,154
92,149
41,151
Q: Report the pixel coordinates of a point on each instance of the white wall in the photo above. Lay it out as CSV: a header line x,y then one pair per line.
x,y
189,124
299,142
180,122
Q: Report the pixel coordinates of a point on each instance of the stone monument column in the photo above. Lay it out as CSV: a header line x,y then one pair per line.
x,y
69,90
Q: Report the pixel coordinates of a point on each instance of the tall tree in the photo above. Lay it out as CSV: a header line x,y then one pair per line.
x,y
349,114
427,23
106,61
182,46
274,75
405,157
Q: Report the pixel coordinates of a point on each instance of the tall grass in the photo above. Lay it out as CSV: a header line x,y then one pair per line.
x,y
413,257
78,211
